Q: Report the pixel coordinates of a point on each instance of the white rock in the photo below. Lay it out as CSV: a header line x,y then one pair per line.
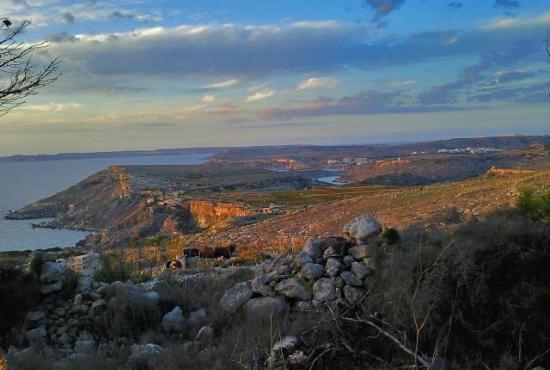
x,y
362,227
287,344
205,333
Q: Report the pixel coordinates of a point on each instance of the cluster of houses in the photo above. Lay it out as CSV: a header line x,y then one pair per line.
x,y
348,160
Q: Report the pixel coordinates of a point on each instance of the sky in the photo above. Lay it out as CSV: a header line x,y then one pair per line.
x,y
148,74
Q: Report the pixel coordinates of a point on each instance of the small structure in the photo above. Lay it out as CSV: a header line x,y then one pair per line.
x,y
85,264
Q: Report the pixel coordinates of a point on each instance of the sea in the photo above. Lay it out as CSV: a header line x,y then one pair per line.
x,y
22,183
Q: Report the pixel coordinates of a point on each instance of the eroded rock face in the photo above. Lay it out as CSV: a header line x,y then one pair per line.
x,y
235,297
362,227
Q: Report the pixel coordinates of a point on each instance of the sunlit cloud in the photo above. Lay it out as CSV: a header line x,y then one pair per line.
x,y
260,95
317,83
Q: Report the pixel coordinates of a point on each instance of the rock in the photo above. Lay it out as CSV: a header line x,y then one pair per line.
x,y
362,227
348,260
333,267
352,295
84,284
145,356
50,288
77,300
236,296
64,339
360,270
51,272
291,288
338,282
173,321
36,334
313,249
285,345
205,333
350,279
359,251
34,319
197,317
330,252
304,306
301,259
60,311
87,346
134,295
312,271
265,306
440,363
298,358
80,309
280,270
259,286
324,290
99,305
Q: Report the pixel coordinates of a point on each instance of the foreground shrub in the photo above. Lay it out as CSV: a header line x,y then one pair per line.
x,y
479,296
535,207
19,292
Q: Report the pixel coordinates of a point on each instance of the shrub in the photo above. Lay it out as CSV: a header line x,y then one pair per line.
x,y
113,269
535,207
478,295
391,236
20,293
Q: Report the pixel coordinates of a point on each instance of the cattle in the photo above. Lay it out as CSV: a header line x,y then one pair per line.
x,y
174,265
211,252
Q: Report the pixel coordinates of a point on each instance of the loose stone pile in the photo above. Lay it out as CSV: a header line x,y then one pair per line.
x,y
330,271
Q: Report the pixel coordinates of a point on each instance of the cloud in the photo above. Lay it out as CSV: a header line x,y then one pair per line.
x,y
365,103
51,107
455,5
536,93
220,85
317,83
383,7
260,95
68,17
208,99
508,4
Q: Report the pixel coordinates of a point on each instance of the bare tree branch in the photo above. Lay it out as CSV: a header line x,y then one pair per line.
x,y
20,77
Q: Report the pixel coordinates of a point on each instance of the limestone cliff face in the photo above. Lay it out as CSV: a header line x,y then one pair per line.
x,y
207,213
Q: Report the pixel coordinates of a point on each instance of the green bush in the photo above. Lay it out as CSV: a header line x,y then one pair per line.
x,y
535,207
113,269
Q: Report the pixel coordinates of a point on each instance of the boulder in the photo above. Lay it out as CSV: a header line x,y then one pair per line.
x,y
36,334
291,288
50,288
324,290
85,283
205,333
359,251
77,300
285,345
298,359
362,227
350,279
259,285
51,272
197,317
236,296
134,295
348,260
313,249
173,321
265,306
34,319
145,356
352,295
360,270
98,305
301,259
312,271
333,267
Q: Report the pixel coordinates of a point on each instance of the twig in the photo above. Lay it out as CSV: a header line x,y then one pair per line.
x,y
392,338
